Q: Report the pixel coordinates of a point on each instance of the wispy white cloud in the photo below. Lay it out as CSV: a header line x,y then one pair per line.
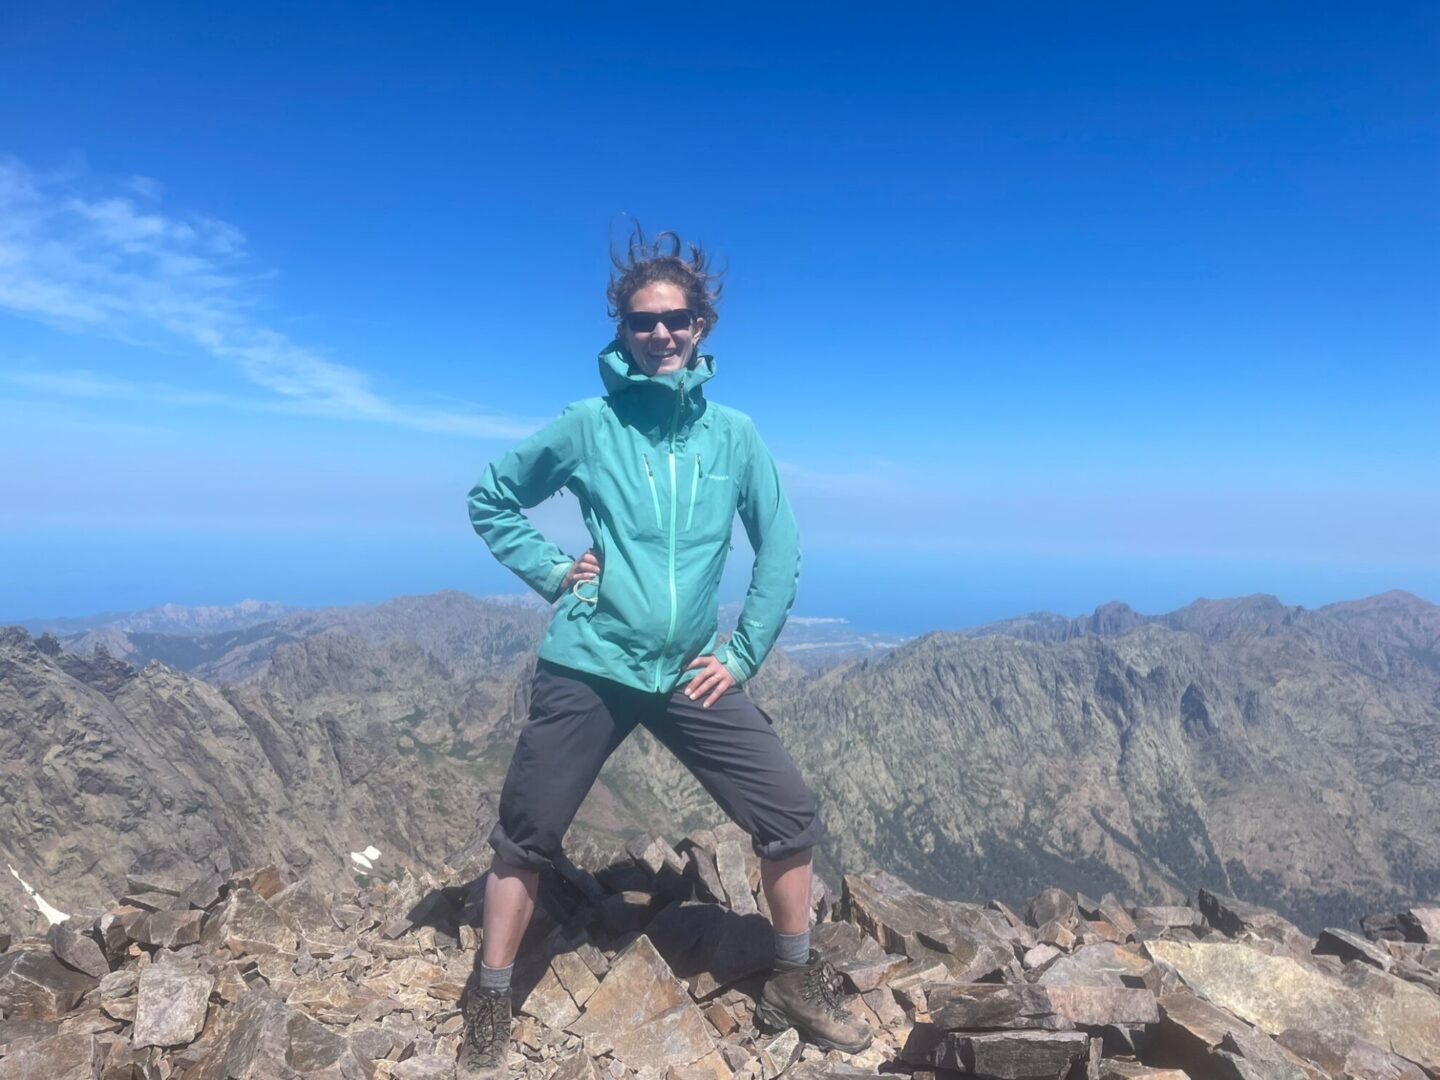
x,y
105,264
89,384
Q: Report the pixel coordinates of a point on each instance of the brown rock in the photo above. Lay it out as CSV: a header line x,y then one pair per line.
x,y
549,1002
36,986
77,950
171,1006
730,865
642,1014
248,926
1340,1054
1056,1008
578,1066
1111,1069
1278,992
575,976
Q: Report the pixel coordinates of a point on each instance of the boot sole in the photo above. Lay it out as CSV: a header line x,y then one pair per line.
x,y
772,1020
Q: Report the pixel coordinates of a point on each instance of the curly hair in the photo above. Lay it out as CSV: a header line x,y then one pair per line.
x,y
649,261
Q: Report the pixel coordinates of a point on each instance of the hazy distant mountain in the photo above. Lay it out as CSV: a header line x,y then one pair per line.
x,y
166,619
470,636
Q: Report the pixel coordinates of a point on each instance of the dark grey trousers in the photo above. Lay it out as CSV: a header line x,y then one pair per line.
x,y
577,720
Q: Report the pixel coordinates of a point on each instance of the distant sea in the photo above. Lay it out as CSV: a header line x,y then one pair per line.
x,y
53,572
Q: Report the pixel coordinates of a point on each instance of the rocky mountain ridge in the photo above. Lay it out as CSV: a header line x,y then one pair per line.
x,y
1280,754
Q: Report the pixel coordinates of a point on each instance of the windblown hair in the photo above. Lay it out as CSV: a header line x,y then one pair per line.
x,y
648,261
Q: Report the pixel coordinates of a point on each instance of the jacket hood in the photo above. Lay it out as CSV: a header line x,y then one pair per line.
x,y
620,373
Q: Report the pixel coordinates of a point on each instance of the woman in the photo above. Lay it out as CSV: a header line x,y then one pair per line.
x,y
660,473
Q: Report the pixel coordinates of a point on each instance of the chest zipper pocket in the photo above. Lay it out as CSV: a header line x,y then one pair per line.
x,y
654,492
694,483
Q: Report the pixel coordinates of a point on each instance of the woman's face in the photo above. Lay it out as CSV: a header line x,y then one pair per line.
x,y
661,350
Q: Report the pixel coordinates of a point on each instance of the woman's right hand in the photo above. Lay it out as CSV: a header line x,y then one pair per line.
x,y
585,568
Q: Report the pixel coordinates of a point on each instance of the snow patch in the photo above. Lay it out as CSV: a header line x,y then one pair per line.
x,y
55,915
365,859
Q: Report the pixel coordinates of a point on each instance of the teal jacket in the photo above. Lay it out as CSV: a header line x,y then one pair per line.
x,y
660,473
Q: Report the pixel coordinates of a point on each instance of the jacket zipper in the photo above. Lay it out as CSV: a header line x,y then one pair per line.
x,y
674,604
654,495
694,483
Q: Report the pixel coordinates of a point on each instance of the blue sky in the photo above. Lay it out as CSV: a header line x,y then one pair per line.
x,y
1038,307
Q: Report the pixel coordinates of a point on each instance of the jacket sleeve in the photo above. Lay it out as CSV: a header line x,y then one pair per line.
x,y
526,476
770,525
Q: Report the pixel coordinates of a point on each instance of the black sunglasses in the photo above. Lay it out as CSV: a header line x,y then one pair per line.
x,y
643,322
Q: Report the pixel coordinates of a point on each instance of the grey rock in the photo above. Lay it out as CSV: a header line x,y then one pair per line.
x,y
77,950
36,986
171,1007
1007,1055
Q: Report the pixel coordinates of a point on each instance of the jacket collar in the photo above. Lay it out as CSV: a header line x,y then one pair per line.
x,y
651,398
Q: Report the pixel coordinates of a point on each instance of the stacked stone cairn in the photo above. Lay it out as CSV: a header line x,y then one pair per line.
x,y
647,963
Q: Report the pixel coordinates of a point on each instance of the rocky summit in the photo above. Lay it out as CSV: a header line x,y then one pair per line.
x,y
647,962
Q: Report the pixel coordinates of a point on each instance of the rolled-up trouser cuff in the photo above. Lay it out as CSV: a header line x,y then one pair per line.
x,y
513,854
783,849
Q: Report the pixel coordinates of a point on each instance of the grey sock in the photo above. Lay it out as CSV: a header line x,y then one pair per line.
x,y
495,978
793,948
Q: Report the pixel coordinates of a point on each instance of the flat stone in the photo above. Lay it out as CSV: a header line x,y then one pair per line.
x,y
1111,1069
1276,993
170,929
575,976
857,956
72,1056
1350,946
1039,956
1100,964
1168,916
34,985
77,950
642,1014
578,1066
1005,1055
730,865
424,1067
780,1053
1057,1008
1255,1056
170,1010
1342,1054
549,1002
147,900
247,925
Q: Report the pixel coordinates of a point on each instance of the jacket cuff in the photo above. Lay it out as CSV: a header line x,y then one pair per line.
x,y
553,581
727,659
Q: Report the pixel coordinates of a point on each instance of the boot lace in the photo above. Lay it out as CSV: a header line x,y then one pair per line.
x,y
487,1024
822,985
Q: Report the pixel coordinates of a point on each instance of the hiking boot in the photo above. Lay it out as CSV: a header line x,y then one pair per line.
x,y
807,997
485,1050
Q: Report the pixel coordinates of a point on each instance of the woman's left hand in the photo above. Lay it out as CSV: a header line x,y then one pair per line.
x,y
714,679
